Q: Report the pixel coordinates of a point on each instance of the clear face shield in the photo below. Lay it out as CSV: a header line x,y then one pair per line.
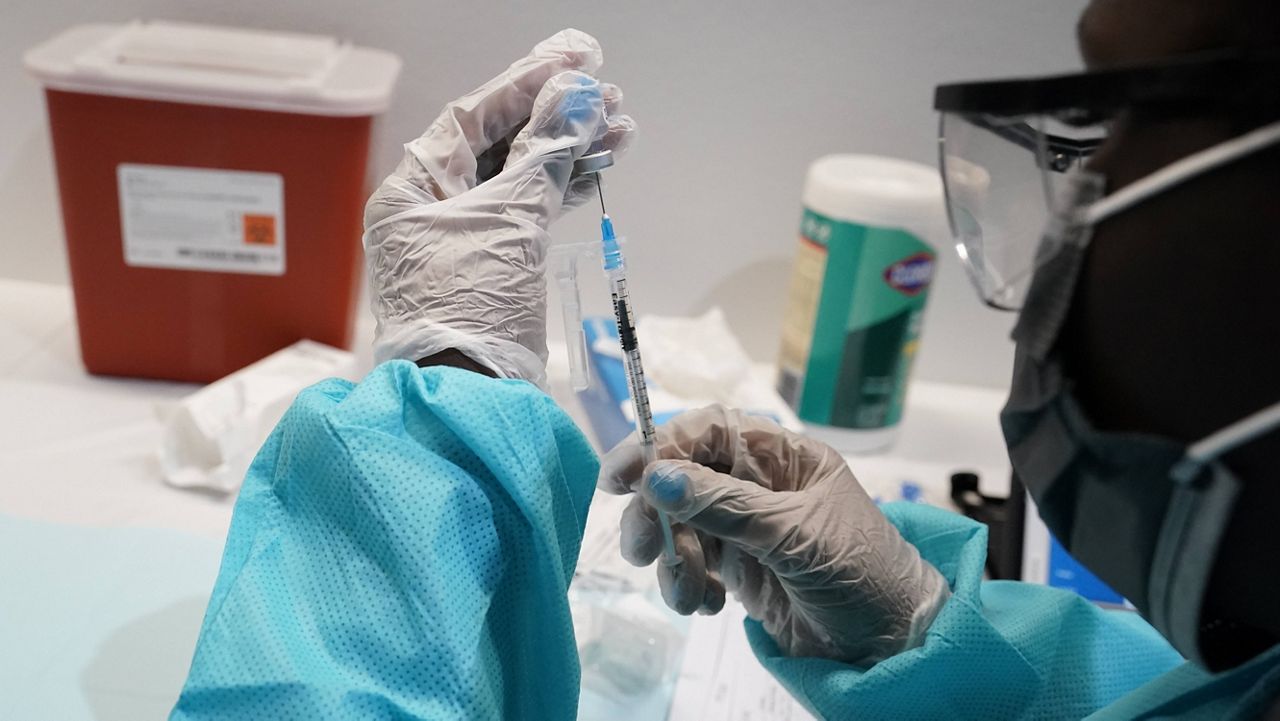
x,y
1009,148
1004,178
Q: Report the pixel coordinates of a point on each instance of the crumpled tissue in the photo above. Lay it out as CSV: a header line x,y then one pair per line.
x,y
211,436
700,362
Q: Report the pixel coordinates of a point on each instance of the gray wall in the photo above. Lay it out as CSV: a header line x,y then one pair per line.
x,y
734,99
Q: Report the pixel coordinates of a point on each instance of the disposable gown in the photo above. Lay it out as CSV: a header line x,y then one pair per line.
x,y
1010,650
401,549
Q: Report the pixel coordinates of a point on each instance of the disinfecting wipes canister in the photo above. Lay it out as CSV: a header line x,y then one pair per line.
x,y
857,295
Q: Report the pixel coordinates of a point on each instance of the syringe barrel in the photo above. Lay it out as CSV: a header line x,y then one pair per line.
x,y
615,269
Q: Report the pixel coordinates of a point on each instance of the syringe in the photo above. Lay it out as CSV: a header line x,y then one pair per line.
x,y
615,269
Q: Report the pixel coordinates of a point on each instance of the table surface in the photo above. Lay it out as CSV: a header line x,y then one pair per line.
x,y
88,519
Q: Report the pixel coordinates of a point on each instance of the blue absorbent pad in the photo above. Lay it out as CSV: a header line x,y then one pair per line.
x,y
401,548
98,622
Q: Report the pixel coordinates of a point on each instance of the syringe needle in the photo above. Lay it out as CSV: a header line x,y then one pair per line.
x,y
615,269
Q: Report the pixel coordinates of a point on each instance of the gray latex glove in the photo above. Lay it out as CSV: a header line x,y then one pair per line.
x,y
779,520
453,264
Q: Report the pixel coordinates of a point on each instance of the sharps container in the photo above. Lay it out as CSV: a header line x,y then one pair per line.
x,y
857,295
212,183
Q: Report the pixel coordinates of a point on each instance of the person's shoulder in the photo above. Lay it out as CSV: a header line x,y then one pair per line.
x,y
396,384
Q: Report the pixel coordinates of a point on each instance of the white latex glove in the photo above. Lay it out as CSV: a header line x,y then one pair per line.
x,y
779,520
458,265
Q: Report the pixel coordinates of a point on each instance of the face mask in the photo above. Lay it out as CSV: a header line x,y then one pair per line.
x,y
1146,514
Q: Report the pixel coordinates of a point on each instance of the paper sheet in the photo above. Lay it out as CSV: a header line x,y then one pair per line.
x,y
721,680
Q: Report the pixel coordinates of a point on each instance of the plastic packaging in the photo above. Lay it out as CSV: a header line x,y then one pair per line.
x,y
562,265
857,295
627,646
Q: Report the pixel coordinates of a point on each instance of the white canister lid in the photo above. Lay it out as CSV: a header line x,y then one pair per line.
x,y
876,191
208,65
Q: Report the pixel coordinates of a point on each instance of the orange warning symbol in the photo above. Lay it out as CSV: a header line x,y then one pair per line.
x,y
259,229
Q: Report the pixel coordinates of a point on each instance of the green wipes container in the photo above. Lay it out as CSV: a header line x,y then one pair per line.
x,y
857,296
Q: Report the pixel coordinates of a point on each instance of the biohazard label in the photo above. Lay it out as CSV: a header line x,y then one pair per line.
x,y
229,221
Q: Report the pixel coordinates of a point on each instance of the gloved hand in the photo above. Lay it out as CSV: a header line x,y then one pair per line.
x,y
779,520
457,264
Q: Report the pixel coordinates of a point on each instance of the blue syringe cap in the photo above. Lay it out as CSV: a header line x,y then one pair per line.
x,y
612,251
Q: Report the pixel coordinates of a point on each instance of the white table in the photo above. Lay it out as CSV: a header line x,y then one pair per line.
x,y
123,563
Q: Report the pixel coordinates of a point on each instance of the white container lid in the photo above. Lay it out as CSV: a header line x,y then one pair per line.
x,y
208,65
877,191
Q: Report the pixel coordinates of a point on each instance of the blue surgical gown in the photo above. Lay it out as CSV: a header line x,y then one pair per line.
x,y
401,549
1010,650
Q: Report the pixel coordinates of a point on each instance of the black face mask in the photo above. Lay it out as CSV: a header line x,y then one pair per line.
x,y
1145,513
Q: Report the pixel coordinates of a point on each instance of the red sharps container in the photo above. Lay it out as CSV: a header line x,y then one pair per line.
x,y
212,182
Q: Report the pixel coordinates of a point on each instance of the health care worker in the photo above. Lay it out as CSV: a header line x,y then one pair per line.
x,y
402,547
1142,417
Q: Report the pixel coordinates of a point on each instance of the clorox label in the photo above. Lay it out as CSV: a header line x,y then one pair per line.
x,y
852,324
910,275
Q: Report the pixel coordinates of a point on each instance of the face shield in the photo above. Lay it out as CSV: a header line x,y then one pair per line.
x,y
1007,149
1004,177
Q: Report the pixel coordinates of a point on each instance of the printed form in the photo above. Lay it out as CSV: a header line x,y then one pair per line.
x,y
721,680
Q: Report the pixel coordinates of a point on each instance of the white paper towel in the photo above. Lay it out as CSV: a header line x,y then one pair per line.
x,y
212,435
699,361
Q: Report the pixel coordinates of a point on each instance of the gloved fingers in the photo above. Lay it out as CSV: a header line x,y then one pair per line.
x,y
618,138
620,131
711,551
750,447
568,117
713,596
641,538
446,153
758,590
746,579
567,114
737,569
642,545
760,521
684,585
621,468
612,98
620,135
772,606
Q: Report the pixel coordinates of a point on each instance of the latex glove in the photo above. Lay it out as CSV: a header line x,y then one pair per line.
x,y
457,264
779,520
